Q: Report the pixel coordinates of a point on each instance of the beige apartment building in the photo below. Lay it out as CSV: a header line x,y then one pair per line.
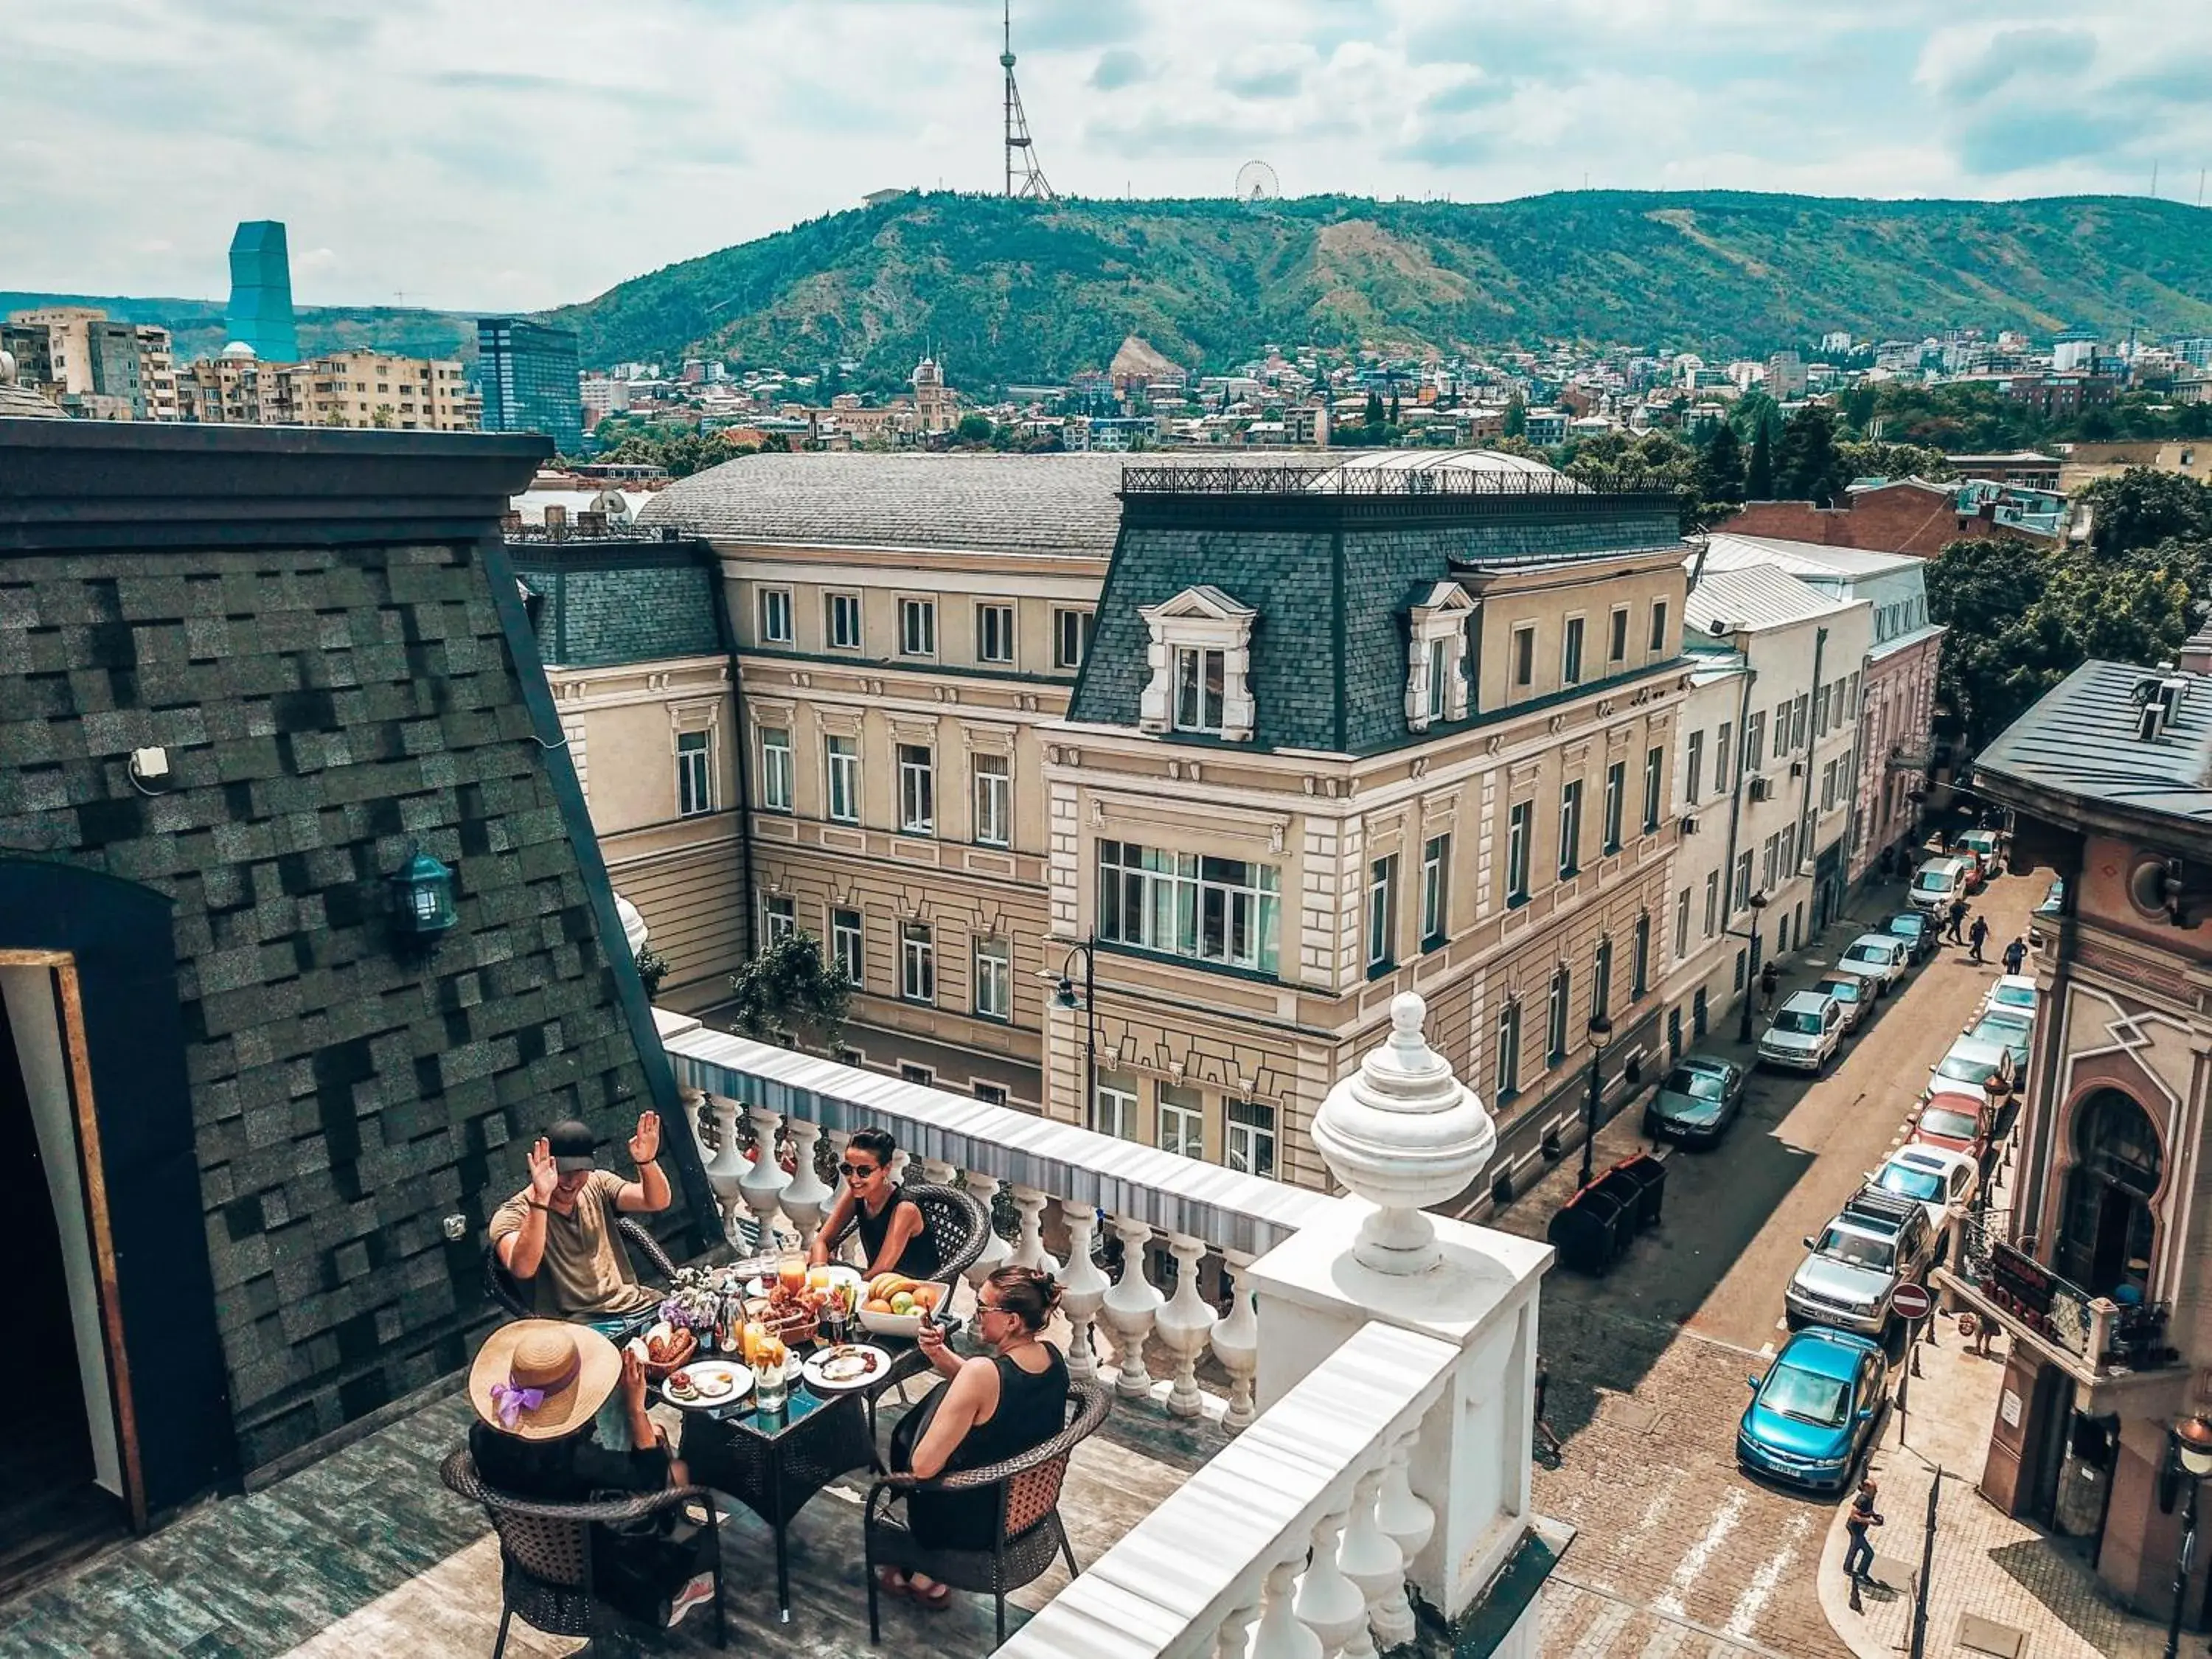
x,y
352,389
1454,780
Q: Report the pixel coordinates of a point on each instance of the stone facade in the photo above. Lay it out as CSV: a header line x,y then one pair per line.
x,y
329,693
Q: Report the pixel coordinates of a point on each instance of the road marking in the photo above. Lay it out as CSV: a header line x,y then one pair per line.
x,y
1782,1323
1693,1565
1766,1351
1756,1594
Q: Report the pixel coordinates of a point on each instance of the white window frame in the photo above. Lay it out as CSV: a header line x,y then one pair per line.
x,y
1435,657
1523,645
1070,637
777,773
991,1094
848,943
775,619
839,606
1682,925
1556,1011
1658,625
1655,774
1616,805
1570,828
994,633
1201,688
1382,915
917,962
1436,891
1573,652
1520,833
1116,1108
993,800
841,767
917,626
778,918
1693,768
1616,636
1179,1127
1196,622
917,789
994,979
1507,1070
695,774
1189,906
1247,1137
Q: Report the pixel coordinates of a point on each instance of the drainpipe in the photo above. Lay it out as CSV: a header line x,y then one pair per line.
x,y
1808,825
1735,795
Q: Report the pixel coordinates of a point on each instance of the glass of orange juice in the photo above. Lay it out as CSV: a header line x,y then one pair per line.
x,y
817,1278
756,1333
793,1271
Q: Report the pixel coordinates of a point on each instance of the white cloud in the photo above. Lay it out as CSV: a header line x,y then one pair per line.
x,y
485,156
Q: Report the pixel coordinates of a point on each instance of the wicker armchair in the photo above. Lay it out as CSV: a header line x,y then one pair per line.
x,y
955,1221
1029,1533
545,1550
500,1287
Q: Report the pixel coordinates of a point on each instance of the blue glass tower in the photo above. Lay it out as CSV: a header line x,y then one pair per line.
x,y
261,291
529,376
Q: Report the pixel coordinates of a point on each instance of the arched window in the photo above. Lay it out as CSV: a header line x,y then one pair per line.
x,y
2105,1228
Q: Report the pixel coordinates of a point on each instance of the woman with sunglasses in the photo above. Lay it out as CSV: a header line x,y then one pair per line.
x,y
996,1406
894,1232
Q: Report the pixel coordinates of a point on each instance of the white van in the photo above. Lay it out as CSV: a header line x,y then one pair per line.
x,y
1939,881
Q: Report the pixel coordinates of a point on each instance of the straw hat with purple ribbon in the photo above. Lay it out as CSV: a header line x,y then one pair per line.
x,y
539,1379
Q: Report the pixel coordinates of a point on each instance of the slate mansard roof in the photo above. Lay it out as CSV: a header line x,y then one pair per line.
x,y
2076,753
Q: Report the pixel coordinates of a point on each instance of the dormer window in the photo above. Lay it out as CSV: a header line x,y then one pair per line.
x,y
1200,659
1436,656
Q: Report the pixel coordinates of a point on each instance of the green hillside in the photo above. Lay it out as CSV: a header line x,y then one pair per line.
x,y
197,325
1011,291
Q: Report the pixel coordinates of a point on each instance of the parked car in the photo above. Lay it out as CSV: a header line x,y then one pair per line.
x,y
1942,1180
1938,882
2008,1033
1962,1122
1807,1031
1854,995
1877,1240
1919,931
1986,847
1815,1411
1876,956
1696,1102
2013,994
1971,1065
2054,899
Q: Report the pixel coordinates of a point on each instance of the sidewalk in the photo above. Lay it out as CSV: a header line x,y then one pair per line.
x,y
1986,1565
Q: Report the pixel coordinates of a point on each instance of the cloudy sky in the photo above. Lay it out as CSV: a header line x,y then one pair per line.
x,y
486,153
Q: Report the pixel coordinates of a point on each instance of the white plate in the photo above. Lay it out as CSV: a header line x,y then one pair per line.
x,y
816,1365
739,1379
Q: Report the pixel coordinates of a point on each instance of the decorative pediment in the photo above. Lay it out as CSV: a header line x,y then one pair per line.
x,y
1435,655
1203,602
1200,659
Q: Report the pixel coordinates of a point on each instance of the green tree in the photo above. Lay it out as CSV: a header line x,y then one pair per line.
x,y
2142,506
1516,417
787,989
1806,464
974,429
1759,476
1720,467
1371,416
1876,459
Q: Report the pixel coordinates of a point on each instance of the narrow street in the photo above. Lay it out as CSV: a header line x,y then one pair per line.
x,y
1678,1552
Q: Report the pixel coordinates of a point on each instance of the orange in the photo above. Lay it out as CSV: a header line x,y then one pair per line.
x,y
876,1304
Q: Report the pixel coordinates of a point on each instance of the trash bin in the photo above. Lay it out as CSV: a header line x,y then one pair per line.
x,y
1591,1230
1648,1175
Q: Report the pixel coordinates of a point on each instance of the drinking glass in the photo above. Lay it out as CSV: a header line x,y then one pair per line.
x,y
793,1271
771,1380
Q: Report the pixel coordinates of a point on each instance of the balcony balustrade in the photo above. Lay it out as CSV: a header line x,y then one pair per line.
x,y
2101,1335
1380,1362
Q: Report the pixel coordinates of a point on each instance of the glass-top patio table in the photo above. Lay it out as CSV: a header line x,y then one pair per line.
x,y
775,1461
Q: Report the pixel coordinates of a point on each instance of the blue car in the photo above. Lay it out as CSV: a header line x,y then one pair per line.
x,y
1816,1410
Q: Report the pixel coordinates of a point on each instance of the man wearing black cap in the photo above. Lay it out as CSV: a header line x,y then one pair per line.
x,y
557,1237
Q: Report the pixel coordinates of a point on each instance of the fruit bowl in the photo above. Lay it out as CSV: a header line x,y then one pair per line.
x,y
907,1325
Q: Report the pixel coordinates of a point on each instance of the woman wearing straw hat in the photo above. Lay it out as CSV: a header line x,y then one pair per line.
x,y
537,1386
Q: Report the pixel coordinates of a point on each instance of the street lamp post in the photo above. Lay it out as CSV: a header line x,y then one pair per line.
x,y
1601,1033
1087,999
2189,1457
1757,902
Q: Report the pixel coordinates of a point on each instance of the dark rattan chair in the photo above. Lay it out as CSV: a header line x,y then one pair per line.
x,y
1028,1534
956,1223
545,1550
502,1287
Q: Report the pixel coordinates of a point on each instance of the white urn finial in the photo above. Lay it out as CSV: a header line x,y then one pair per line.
x,y
1403,1133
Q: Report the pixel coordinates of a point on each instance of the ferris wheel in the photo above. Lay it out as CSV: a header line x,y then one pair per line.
x,y
1256,182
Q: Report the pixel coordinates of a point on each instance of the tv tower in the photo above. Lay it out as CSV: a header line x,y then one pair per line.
x,y
1024,178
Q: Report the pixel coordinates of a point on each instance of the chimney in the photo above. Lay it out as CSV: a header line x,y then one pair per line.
x,y
2197,652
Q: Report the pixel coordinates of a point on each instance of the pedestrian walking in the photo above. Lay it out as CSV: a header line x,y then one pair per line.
x,y
1769,983
1957,920
1977,937
1860,1556
2016,956
1889,862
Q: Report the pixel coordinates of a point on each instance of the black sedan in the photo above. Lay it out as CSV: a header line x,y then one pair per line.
x,y
1696,1102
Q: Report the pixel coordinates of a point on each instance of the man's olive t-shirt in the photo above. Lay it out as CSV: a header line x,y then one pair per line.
x,y
585,1270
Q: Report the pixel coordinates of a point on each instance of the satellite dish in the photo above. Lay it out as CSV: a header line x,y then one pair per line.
x,y
1256,182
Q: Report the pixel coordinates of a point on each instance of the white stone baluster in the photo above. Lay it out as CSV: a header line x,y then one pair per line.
x,y
1029,1251
764,1181
1279,1635
1083,1290
839,1141
1409,1522
995,1248
1130,1308
900,1158
1184,1323
1330,1605
1236,1339
804,1200
1233,1639
1370,1558
938,1173
727,1171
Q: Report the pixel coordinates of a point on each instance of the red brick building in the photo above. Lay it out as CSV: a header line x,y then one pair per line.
x,y
1909,516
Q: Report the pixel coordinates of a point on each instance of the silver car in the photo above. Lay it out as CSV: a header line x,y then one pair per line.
x,y
1807,1029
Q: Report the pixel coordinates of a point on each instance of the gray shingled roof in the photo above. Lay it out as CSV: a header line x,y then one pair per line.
x,y
1035,504
2079,742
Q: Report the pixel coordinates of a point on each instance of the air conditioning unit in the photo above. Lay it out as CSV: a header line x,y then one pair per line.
x,y
1796,769
1689,824
1762,789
